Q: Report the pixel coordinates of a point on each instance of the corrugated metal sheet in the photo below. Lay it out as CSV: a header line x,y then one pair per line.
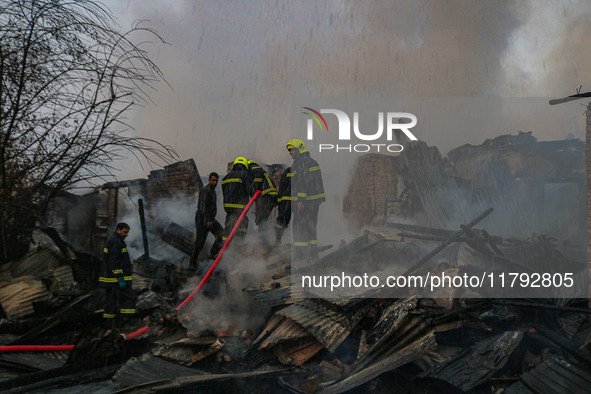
x,y
328,326
18,296
414,351
394,318
63,279
554,376
478,363
39,263
275,292
150,368
43,256
286,330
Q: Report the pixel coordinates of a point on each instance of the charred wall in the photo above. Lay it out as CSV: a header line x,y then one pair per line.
x,y
536,186
86,221
373,187
178,179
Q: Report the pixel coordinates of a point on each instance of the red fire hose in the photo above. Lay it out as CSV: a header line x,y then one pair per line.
x,y
49,348
35,348
208,274
210,271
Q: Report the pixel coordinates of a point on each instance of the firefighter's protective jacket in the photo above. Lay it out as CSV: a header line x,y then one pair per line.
x,y
261,181
284,199
116,262
236,188
306,183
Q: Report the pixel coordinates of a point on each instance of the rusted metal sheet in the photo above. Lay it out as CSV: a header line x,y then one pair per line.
x,y
17,297
329,327
275,292
287,329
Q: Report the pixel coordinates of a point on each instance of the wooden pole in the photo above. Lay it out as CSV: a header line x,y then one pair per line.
x,y
144,232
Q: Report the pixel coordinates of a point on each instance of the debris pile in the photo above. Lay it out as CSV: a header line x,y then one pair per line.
x,y
254,328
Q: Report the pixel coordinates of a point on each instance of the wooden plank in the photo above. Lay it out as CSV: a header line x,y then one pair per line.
x,y
297,353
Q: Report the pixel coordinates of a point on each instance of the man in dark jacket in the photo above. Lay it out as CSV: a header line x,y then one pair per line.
x,y
115,278
308,191
266,202
205,221
236,187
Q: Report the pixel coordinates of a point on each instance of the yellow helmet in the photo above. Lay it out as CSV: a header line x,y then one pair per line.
x,y
251,162
297,144
241,160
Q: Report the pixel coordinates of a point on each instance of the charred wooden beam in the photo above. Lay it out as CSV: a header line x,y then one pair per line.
x,y
447,242
143,225
179,237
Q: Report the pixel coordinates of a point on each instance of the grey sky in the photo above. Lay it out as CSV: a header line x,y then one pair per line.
x,y
235,67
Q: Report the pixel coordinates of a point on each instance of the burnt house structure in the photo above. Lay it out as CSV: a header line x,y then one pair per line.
x,y
86,220
540,183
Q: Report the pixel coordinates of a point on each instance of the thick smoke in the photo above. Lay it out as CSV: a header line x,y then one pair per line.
x,y
236,68
178,209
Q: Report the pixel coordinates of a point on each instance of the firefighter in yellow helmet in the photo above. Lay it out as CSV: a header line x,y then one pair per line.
x,y
307,191
236,189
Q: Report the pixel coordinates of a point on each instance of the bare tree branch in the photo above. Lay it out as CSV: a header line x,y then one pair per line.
x,y
68,79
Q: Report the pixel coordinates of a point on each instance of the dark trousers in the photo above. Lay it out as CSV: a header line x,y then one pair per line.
x,y
231,219
264,208
119,305
283,219
305,240
201,235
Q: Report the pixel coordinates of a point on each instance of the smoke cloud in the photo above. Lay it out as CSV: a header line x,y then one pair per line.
x,y
237,67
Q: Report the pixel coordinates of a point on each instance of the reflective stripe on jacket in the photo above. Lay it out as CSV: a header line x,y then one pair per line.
x,y
116,262
306,182
236,188
261,181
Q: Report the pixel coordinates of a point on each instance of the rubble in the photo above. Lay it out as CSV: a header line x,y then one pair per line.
x,y
452,340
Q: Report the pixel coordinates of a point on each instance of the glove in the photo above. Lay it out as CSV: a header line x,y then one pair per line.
x,y
121,281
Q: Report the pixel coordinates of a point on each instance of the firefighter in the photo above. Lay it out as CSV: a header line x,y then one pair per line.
x,y
284,199
115,278
205,221
236,187
308,192
266,202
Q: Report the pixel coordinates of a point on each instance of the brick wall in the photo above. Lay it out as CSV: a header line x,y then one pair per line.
x,y
374,183
178,179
